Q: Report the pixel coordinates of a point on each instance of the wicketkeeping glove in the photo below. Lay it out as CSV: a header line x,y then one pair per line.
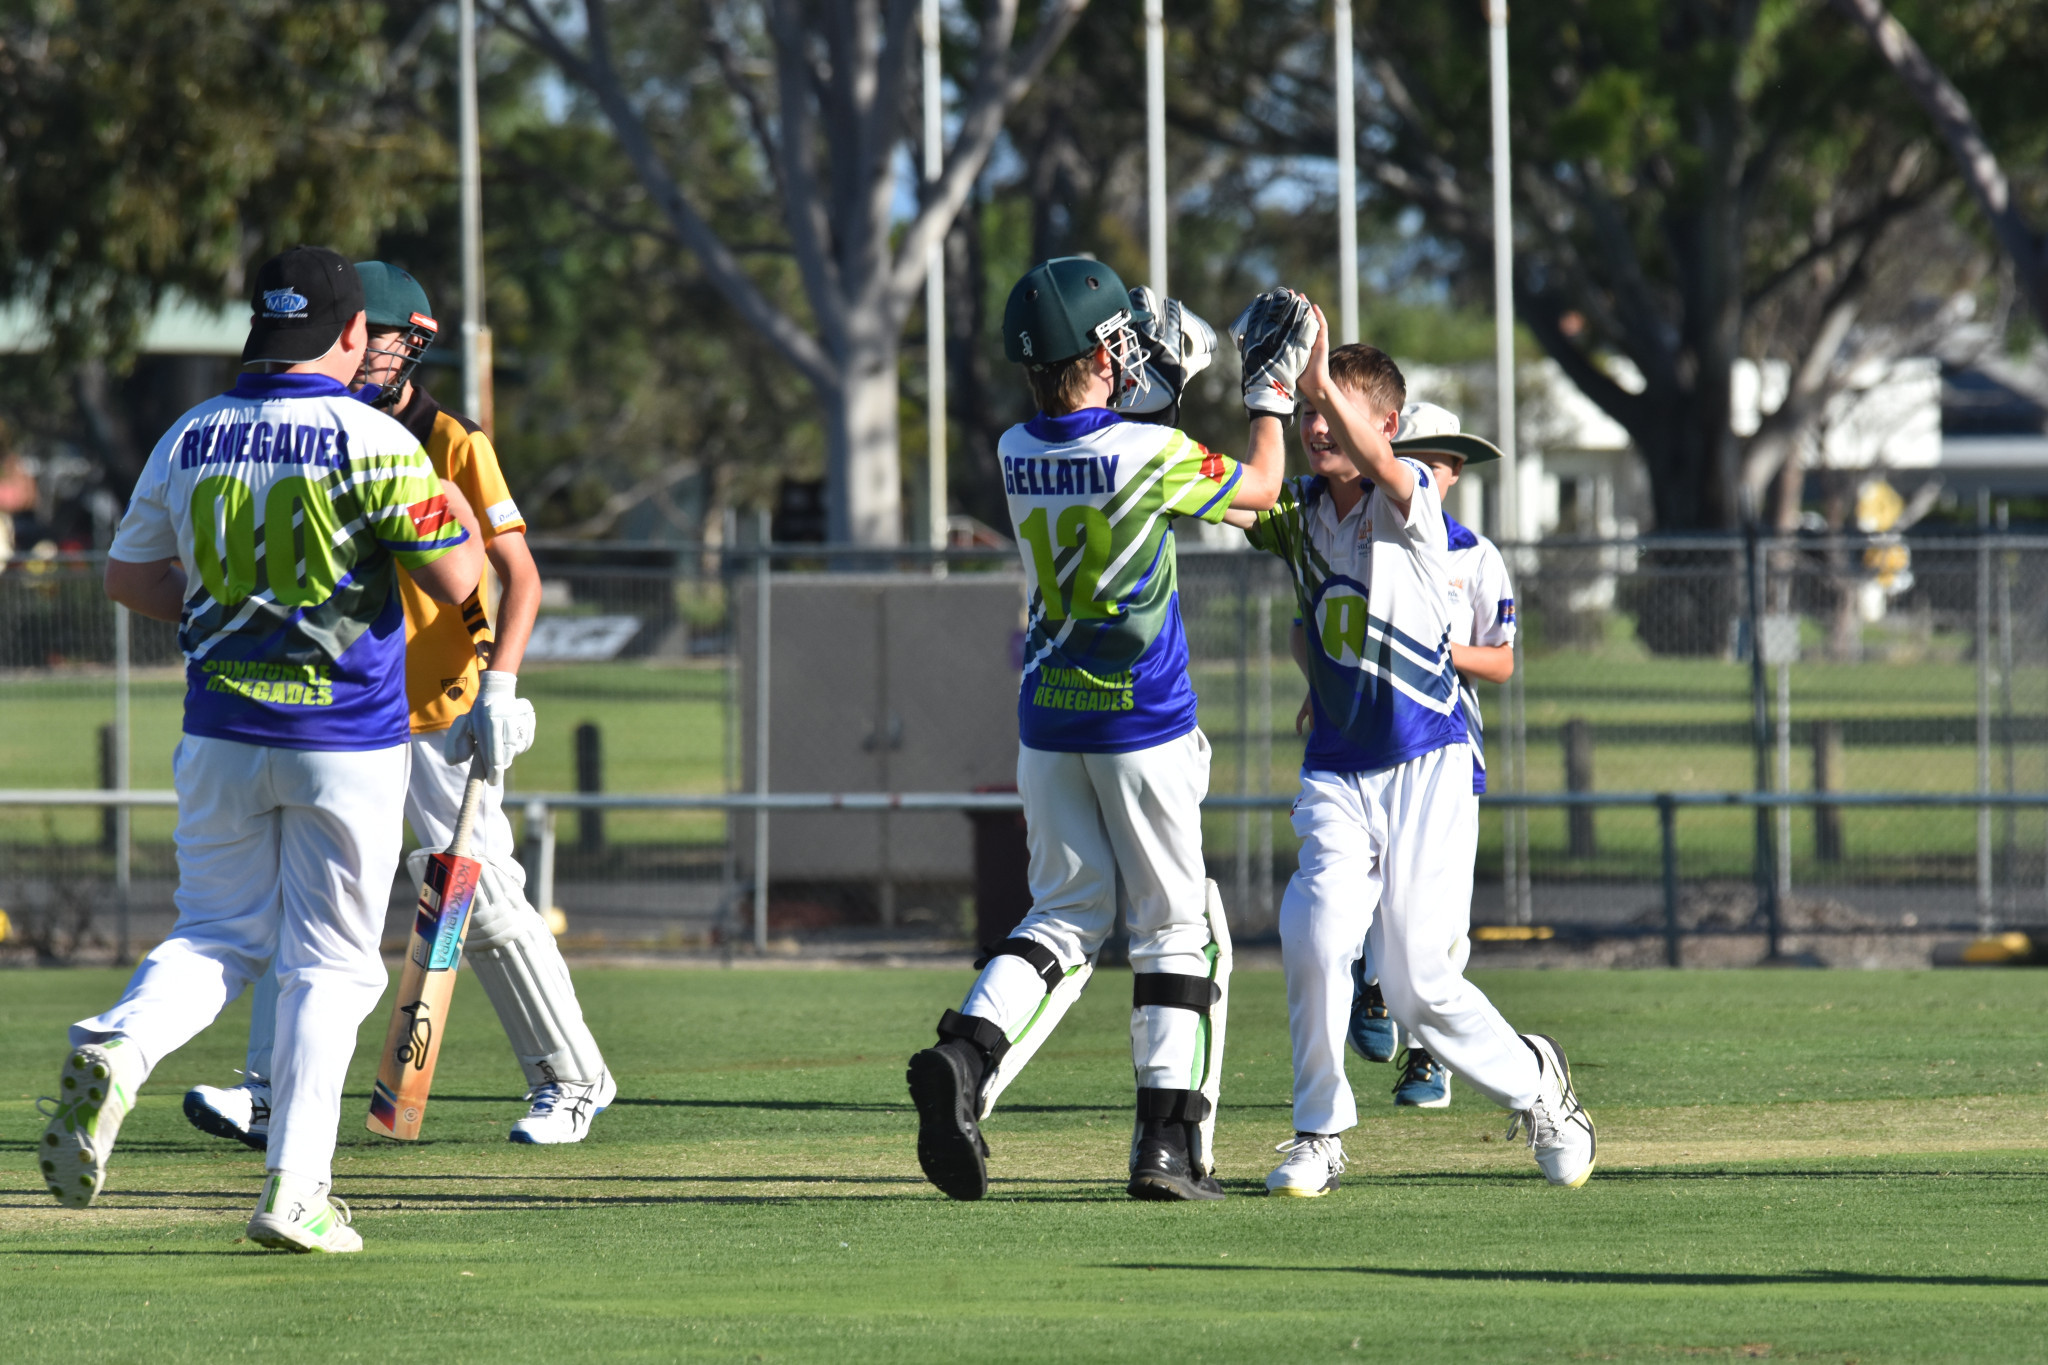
x,y
499,725
1178,346
1274,335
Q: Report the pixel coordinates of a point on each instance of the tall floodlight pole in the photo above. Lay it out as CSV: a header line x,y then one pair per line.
x,y
476,338
1155,143
1503,272
1347,182
935,293
1515,829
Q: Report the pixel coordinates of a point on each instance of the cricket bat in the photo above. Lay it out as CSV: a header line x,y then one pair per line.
x,y
405,1073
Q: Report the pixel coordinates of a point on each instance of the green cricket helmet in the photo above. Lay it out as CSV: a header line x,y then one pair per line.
x,y
1066,307
394,301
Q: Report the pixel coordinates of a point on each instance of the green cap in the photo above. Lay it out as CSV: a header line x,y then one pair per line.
x,y
1058,310
393,298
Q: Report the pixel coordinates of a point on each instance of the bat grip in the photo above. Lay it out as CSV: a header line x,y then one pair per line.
x,y
472,798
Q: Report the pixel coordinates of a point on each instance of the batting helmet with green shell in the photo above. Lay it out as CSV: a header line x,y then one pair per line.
x,y
394,301
1066,307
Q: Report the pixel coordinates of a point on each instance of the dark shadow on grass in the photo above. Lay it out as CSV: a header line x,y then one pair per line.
x,y
372,1177
901,1106
1762,1170
244,1251
199,1142
1616,1277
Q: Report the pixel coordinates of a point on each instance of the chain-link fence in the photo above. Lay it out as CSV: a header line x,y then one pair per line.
x,y
1885,665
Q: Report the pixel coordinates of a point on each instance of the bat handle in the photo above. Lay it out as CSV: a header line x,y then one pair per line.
x,y
472,798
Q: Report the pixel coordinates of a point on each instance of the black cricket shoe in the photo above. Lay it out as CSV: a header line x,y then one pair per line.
x,y
945,1085
1163,1170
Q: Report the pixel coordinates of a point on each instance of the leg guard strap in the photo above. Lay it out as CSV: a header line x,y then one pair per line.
x,y
1197,993
1037,954
983,1033
1179,1106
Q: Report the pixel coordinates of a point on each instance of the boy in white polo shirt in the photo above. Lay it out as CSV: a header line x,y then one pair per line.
x,y
1385,816
1482,650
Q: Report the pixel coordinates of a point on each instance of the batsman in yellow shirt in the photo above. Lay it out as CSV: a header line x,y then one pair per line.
x,y
461,678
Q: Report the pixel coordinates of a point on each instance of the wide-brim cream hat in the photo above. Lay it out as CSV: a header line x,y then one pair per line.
x,y
1427,429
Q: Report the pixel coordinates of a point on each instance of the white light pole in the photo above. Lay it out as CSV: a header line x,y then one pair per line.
x,y
1515,825
476,338
1503,273
1155,143
935,294
1347,182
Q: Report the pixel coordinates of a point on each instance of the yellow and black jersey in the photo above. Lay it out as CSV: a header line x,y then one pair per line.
x,y
447,646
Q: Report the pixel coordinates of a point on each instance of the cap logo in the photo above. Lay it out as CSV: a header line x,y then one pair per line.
x,y
284,303
1024,342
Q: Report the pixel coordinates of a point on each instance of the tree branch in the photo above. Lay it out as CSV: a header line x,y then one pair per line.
x,y
1814,382
596,74
1945,105
809,231
1000,82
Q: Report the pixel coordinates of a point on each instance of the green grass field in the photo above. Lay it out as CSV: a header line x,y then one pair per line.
x,y
1800,1166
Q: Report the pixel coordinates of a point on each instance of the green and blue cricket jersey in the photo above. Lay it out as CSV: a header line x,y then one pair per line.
x,y
1093,498
291,505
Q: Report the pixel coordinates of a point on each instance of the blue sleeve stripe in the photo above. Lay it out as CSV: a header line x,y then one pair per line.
x,y
1236,473
397,545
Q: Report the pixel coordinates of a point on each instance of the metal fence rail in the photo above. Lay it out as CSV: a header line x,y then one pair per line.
x,y
539,810
1856,669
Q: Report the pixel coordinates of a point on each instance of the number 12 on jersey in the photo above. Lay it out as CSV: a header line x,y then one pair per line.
x,y
1080,528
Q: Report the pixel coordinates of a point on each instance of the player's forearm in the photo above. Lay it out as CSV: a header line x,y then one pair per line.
x,y
1488,663
1367,449
1265,466
520,579
155,589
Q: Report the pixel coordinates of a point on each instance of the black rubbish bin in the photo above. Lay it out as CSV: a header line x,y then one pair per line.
x,y
1002,872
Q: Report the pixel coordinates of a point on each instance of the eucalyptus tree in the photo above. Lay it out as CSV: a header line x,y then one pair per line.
x,y
824,93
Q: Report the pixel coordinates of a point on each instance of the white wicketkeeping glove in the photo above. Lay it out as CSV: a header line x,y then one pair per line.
x,y
499,725
1274,335
1178,346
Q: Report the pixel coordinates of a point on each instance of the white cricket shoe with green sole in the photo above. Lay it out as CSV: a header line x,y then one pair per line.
x,y
299,1215
95,1092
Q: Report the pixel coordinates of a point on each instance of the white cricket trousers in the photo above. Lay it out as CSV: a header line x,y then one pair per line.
x,y
286,853
534,997
1097,825
1388,855
433,798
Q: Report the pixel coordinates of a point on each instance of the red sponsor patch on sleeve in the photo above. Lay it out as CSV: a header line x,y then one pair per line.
x,y
430,516
1214,466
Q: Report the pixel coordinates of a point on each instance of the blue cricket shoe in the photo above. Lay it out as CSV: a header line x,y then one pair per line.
x,y
1372,1028
1424,1083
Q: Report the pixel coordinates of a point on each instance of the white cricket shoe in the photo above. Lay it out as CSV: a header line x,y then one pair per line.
x,y
95,1092
562,1111
241,1112
294,1214
1560,1131
1314,1161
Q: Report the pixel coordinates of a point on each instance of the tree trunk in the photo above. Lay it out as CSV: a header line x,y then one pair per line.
x,y
980,411
864,483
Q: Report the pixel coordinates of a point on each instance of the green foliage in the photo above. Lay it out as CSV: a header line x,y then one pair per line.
x,y
145,146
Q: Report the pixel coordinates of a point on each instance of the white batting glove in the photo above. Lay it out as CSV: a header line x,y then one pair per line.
x,y
499,725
